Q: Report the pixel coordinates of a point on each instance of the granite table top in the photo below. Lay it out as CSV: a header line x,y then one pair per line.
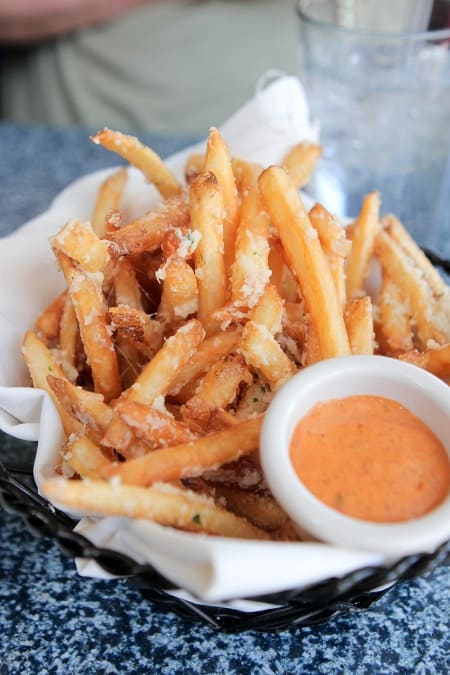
x,y
54,621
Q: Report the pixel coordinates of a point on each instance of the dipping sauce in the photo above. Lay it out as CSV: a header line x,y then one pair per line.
x,y
371,458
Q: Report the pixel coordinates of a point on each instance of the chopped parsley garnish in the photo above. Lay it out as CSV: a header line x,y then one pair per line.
x,y
196,519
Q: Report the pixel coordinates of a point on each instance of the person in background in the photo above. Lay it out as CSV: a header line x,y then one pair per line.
x,y
163,66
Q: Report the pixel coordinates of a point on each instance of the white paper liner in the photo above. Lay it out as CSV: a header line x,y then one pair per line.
x,y
213,568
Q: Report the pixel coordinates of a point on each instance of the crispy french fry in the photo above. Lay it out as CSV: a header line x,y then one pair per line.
x,y
68,339
301,160
78,241
48,321
134,324
126,288
155,427
246,175
306,258
206,208
430,315
146,233
282,277
218,161
108,200
85,291
436,361
85,457
142,157
221,383
359,322
394,331
180,291
164,504
156,379
207,353
203,417
190,459
87,407
363,242
41,363
268,311
194,165
250,270
261,510
263,353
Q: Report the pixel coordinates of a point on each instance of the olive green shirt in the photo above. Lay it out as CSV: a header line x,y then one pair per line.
x,y
170,67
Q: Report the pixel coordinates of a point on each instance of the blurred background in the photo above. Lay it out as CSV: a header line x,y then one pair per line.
x,y
163,66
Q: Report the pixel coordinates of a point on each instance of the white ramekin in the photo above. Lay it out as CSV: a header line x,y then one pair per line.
x,y
425,395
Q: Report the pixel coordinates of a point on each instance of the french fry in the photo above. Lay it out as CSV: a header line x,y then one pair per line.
x,y
206,208
48,321
221,383
301,160
282,277
144,332
359,322
194,165
306,258
218,161
78,241
87,407
261,510
142,157
430,316
41,363
85,457
263,353
146,233
164,504
156,379
394,331
155,427
180,291
436,361
363,242
250,270
190,459
268,311
85,291
108,200
68,339
126,288
203,417
207,353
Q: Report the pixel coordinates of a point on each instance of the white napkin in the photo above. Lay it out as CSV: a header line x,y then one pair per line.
x,y
212,568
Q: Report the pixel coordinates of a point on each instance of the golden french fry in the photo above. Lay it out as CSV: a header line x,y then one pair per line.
x,y
430,315
436,360
137,326
78,241
108,200
85,457
155,427
268,311
359,322
126,288
394,333
306,258
221,383
142,157
180,291
246,175
146,233
194,165
204,418
282,277
207,353
218,161
85,406
68,339
48,321
301,160
399,234
364,233
85,291
190,459
263,353
206,207
311,347
161,503
156,379
41,363
250,270
261,510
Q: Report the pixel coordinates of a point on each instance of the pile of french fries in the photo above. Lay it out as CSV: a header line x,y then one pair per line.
x,y
175,331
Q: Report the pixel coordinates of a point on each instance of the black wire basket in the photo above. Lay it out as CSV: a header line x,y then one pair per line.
x,y
308,606
295,607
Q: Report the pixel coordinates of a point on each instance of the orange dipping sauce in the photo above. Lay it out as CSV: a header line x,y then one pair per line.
x,y
370,458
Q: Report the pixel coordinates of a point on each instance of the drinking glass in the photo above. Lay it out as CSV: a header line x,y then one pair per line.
x,y
379,86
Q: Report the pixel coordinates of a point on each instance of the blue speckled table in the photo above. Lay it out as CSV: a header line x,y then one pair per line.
x,y
53,621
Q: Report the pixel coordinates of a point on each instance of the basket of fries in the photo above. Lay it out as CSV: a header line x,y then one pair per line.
x,y
173,308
